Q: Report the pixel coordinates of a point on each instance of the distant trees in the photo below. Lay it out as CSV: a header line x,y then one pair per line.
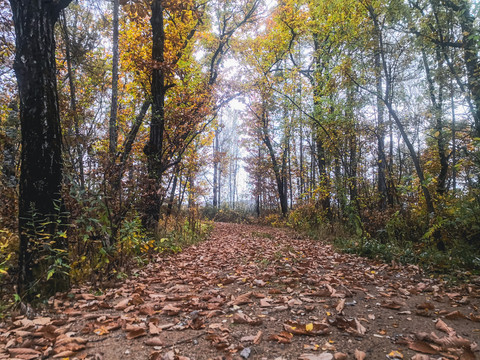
x,y
362,113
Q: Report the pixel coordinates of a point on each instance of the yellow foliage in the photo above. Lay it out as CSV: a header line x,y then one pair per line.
x,y
8,245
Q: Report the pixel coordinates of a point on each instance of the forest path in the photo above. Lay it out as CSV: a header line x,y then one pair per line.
x,y
258,293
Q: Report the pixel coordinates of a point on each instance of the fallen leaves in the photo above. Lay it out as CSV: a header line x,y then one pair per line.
x,y
391,304
133,332
322,356
422,347
283,337
360,355
241,318
352,326
311,329
218,291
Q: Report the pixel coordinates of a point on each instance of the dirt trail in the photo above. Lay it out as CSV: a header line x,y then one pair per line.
x,y
258,293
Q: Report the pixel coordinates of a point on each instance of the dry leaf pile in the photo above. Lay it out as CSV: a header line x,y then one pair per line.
x,y
254,292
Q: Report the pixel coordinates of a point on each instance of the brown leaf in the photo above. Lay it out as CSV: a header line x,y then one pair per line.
x,y
322,356
85,296
258,338
426,306
360,328
24,353
455,315
391,304
283,338
171,310
64,354
137,300
156,341
169,355
360,355
135,332
153,329
452,342
197,323
440,325
340,306
421,357
474,318
264,303
146,309
422,347
243,299
72,347
340,356
64,340
294,302
122,305
241,318
248,338
467,355
42,321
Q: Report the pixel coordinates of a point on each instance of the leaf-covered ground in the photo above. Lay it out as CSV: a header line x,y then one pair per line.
x,y
258,293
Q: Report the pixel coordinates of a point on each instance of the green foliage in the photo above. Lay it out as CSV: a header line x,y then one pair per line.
x,y
47,240
227,215
450,244
182,232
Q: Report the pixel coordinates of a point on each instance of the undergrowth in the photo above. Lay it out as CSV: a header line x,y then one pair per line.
x,y
447,246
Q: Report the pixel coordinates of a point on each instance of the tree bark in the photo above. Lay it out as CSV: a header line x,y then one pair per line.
x,y
112,124
215,169
381,158
437,109
41,157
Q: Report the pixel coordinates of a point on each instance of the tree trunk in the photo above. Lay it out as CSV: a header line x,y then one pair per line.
x,y
73,104
437,109
112,124
172,193
154,148
215,169
472,61
381,158
41,168
279,176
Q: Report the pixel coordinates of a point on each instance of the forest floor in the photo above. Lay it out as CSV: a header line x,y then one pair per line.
x,y
253,292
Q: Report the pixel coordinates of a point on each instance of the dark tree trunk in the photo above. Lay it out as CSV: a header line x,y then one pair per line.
x,y
154,148
279,172
41,168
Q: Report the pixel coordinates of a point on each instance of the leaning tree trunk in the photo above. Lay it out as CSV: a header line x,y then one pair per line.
x,y
41,168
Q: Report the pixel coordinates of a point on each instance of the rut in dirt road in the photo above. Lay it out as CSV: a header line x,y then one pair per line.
x,y
253,292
